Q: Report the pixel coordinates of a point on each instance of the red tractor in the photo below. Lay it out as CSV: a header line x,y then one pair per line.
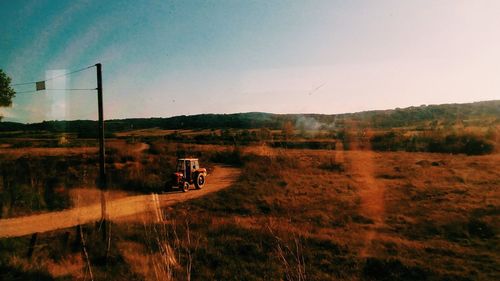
x,y
188,172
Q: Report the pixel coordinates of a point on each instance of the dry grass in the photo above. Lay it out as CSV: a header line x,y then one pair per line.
x,y
70,265
47,151
400,211
299,214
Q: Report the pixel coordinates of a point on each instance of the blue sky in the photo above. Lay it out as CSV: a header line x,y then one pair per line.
x,y
166,58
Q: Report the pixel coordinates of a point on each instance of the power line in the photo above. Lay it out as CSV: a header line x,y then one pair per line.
x,y
72,72
26,92
90,89
20,84
33,91
55,77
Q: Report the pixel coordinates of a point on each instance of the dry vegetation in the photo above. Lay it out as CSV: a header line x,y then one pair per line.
x,y
294,214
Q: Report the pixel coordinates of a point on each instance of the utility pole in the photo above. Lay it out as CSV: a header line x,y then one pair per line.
x,y
102,182
102,171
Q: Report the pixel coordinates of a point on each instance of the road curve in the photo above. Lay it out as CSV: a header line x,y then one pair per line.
x,y
222,177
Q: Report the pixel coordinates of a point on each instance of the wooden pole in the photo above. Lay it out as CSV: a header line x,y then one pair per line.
x,y
102,169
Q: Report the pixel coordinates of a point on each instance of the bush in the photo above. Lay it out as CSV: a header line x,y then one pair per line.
x,y
231,157
328,145
8,273
56,195
478,228
452,143
332,166
392,269
475,146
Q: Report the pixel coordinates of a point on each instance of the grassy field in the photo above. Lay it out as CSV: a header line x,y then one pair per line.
x,y
294,214
356,215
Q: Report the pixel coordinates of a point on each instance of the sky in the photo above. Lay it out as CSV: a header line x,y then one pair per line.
x,y
168,58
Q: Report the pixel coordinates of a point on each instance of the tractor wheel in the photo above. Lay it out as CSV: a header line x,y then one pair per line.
x,y
185,187
200,181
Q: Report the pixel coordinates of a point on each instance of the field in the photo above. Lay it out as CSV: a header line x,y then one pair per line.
x,y
340,211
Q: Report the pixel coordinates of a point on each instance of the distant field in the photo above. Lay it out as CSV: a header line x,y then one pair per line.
x,y
152,132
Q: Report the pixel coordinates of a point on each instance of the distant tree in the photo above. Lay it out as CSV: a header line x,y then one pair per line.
x,y
288,130
265,134
6,91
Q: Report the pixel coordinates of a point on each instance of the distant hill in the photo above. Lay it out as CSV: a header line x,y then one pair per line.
x,y
485,113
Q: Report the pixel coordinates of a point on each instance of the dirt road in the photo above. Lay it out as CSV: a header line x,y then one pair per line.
x,y
221,177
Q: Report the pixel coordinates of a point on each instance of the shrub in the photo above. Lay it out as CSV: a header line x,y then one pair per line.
x,y
231,157
435,142
56,196
332,166
392,269
481,229
475,146
8,273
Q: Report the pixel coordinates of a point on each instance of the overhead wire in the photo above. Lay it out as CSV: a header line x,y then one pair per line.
x,y
26,92
34,91
55,77
82,89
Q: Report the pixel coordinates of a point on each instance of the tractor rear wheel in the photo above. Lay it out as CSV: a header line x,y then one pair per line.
x,y
200,181
185,187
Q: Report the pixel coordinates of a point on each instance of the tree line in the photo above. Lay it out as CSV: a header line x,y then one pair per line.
x,y
480,113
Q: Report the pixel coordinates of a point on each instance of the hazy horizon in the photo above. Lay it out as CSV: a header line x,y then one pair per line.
x,y
246,112
166,58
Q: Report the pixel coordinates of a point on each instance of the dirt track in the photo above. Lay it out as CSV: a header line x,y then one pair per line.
x,y
371,193
222,177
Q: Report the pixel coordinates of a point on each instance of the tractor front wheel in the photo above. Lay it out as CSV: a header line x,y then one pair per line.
x,y
200,181
185,187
